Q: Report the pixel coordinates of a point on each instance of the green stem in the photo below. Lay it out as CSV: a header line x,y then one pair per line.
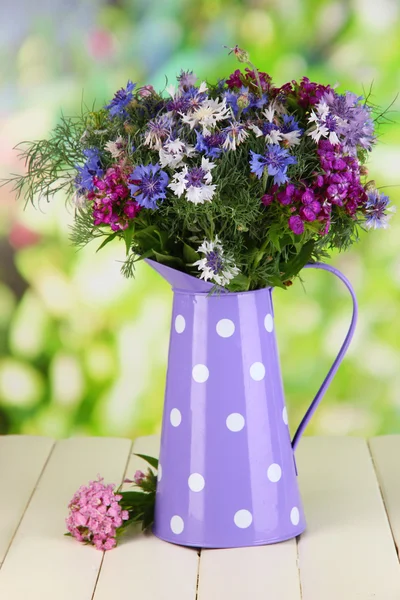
x,y
257,260
257,77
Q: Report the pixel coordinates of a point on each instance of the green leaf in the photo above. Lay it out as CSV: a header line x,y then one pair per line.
x,y
294,266
240,283
171,261
275,234
108,239
148,515
128,235
190,256
133,498
163,237
148,238
152,461
275,281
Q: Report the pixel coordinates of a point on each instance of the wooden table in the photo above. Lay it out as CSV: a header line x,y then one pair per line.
x,y
351,494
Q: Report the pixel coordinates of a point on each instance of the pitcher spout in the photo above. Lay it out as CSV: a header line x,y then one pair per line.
x,y
179,280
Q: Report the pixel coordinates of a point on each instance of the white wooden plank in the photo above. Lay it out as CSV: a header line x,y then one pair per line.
x,y
385,453
259,573
22,459
42,564
347,551
143,566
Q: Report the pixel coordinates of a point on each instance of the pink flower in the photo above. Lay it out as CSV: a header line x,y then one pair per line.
x,y
95,515
138,477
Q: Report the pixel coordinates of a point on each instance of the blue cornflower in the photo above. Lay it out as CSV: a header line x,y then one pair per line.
x,y
148,184
91,168
118,104
276,160
244,100
211,145
377,209
290,124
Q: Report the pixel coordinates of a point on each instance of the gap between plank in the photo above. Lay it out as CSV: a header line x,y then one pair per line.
x,y
298,567
102,558
27,504
198,573
383,498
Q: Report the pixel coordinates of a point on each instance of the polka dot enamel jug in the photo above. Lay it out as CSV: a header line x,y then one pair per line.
x,y
227,474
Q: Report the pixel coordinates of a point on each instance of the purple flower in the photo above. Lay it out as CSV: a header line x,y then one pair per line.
x,y
276,160
376,209
91,168
355,127
122,98
148,184
296,224
211,145
186,79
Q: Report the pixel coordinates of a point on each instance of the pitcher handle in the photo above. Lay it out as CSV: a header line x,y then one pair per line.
x,y
313,406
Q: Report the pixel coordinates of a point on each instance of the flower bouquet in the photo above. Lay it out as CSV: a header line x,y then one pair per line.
x,y
238,186
240,183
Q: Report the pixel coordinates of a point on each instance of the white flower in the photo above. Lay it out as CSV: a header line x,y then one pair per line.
x,y
79,200
274,137
235,134
157,131
196,182
292,138
269,112
324,124
215,266
171,90
207,115
116,148
255,129
173,152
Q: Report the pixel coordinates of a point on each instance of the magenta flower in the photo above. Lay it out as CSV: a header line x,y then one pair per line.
x,y
111,202
296,224
95,515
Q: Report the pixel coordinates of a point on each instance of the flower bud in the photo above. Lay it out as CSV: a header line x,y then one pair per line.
x,y
242,55
138,477
146,91
243,101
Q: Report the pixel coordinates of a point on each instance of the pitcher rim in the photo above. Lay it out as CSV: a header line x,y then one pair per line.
x,y
222,292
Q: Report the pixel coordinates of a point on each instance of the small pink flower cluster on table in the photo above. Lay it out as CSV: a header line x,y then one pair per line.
x,y
95,515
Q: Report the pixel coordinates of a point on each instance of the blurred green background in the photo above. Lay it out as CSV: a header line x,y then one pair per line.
x,y
84,351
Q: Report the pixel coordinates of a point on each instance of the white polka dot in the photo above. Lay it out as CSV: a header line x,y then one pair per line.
x,y
235,422
177,524
225,328
284,415
257,371
274,472
200,373
243,518
196,482
180,324
295,515
159,472
269,323
175,417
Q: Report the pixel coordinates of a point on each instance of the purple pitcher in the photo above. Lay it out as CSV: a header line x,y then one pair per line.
x,y
227,474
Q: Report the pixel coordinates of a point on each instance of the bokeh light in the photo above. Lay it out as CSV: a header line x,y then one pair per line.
x,y
84,351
